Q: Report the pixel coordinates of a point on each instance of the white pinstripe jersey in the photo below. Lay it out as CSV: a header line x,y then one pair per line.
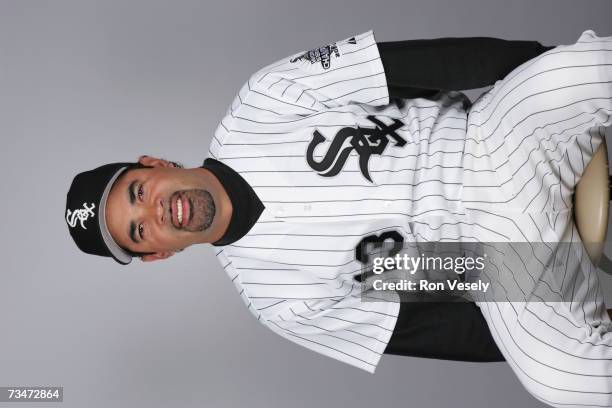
x,y
333,160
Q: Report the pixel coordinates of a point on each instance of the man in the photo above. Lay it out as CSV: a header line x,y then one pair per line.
x,y
314,159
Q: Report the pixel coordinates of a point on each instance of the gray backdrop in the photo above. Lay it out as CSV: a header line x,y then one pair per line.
x,y
86,82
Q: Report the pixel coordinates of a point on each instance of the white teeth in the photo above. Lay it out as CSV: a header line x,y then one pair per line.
x,y
179,208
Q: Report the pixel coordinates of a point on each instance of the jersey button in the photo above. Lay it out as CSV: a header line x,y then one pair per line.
x,y
307,207
387,204
280,210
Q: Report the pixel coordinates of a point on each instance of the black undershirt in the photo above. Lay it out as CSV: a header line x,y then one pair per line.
x,y
246,206
420,68
413,69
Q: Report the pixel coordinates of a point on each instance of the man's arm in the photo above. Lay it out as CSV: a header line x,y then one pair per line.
x,y
419,68
359,70
446,331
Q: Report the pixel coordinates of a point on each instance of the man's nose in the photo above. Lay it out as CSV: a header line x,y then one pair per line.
x,y
154,212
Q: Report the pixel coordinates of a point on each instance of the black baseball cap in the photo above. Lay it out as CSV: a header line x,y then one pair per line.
x,y
85,211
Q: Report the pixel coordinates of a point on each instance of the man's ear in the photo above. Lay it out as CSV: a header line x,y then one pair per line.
x,y
151,161
156,256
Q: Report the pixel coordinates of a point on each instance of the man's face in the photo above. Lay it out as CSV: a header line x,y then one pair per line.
x,y
160,209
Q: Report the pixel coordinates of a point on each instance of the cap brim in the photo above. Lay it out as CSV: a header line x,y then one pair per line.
x,y
116,251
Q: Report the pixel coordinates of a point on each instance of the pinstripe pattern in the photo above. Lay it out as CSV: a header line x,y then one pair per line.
x,y
295,268
534,134
510,177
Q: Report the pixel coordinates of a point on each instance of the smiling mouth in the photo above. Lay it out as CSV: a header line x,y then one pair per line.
x,y
191,210
181,210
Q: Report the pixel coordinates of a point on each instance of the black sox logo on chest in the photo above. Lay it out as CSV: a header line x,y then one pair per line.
x,y
366,141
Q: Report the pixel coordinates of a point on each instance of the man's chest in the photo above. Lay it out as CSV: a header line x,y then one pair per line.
x,y
354,160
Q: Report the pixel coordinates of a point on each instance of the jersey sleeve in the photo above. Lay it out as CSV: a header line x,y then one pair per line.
x,y
347,329
329,76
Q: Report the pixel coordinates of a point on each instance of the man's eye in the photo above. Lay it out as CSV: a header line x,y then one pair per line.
x,y
141,231
140,193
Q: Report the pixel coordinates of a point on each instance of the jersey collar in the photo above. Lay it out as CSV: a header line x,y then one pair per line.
x,y
246,206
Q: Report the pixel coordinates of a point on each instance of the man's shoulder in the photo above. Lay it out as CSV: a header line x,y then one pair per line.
x,y
248,110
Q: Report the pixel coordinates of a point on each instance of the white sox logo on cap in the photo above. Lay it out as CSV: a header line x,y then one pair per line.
x,y
85,204
81,214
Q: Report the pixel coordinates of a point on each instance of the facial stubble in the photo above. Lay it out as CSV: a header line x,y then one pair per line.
x,y
202,207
